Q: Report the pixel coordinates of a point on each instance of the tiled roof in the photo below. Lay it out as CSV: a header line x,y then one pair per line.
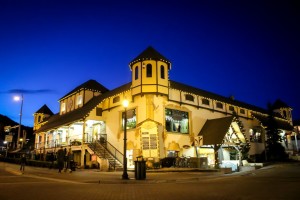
x,y
281,123
90,85
45,110
214,130
210,95
78,114
150,54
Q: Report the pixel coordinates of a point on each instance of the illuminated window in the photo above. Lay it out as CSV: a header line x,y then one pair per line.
x,y
63,107
255,135
116,99
149,70
79,100
219,105
189,97
205,101
177,121
131,119
136,72
162,72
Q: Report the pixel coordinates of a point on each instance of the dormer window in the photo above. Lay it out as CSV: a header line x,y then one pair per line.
x,y
242,111
219,105
162,72
116,99
231,108
205,102
189,97
149,70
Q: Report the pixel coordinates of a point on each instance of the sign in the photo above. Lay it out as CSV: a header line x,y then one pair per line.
x,y
8,138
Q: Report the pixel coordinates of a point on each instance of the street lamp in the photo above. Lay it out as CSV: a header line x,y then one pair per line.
x,y
18,98
125,175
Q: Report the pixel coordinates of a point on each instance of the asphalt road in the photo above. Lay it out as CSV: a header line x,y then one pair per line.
x,y
280,181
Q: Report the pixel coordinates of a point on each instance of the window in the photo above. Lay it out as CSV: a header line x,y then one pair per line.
x,y
242,111
116,99
79,100
284,114
256,135
162,72
231,108
205,101
189,97
136,72
177,121
131,119
99,111
149,70
219,105
39,118
63,107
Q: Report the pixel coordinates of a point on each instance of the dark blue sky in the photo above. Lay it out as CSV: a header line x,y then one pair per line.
x,y
249,49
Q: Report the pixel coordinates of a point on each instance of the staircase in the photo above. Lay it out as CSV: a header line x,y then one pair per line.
x,y
104,149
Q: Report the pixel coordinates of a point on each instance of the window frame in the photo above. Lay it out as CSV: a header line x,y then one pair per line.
x,y
149,70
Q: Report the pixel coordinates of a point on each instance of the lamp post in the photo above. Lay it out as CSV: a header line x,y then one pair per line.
x,y
18,98
125,175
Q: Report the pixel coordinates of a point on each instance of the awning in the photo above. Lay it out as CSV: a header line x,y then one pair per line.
x,y
214,130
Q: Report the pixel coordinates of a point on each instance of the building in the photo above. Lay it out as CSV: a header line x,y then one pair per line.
x,y
165,118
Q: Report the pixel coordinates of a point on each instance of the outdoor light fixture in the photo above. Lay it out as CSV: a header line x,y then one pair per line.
x,y
125,174
19,98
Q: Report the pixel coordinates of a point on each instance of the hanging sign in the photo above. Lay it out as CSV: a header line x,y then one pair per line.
x,y
8,138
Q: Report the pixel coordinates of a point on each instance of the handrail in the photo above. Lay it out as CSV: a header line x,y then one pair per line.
x,y
108,149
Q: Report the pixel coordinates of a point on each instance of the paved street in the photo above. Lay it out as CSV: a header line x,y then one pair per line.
x,y
279,181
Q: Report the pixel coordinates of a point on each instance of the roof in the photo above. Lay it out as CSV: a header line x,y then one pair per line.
x,y
58,120
150,54
279,104
281,123
214,130
210,95
89,85
45,110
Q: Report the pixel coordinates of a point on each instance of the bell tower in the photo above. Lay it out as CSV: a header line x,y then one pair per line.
x,y
150,73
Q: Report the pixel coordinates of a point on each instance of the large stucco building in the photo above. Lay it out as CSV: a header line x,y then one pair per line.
x,y
164,119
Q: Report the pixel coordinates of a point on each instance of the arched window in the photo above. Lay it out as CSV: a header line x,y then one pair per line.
x,y
284,114
39,118
189,97
136,72
149,70
162,72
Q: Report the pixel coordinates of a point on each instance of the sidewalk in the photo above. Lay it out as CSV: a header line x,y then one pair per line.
x,y
164,175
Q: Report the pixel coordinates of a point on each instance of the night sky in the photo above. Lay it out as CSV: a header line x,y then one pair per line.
x,y
248,49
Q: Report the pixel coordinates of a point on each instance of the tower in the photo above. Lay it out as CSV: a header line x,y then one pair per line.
x,y
150,73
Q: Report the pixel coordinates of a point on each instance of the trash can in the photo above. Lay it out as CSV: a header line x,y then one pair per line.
x,y
140,168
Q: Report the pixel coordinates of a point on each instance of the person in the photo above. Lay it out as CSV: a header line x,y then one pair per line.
x,y
65,160
51,159
60,159
23,163
70,160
